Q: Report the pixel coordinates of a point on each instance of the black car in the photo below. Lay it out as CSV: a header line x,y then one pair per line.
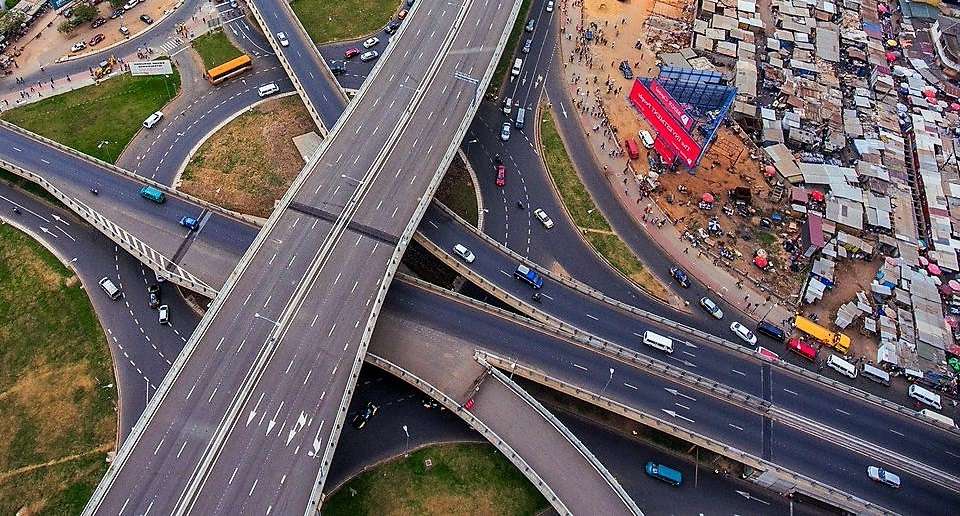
x,y
154,292
98,22
680,276
392,27
146,19
338,67
360,418
116,14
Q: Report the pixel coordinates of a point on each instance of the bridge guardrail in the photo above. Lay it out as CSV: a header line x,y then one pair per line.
x,y
702,384
453,406
271,37
563,430
254,221
146,254
731,346
799,482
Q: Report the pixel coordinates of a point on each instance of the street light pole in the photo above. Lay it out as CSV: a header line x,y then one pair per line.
x,y
608,382
406,447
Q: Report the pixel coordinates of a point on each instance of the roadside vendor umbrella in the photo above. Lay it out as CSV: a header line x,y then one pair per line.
x,y
882,8
816,196
762,253
891,57
707,197
951,321
892,43
924,261
934,269
769,170
954,285
929,91
954,106
761,262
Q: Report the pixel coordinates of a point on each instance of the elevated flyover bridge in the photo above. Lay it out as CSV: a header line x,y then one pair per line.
x,y
249,416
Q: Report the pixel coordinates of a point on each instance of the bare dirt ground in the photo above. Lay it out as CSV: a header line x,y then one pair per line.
x,y
853,276
249,163
52,45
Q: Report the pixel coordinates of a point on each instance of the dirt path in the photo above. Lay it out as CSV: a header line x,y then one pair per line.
x,y
105,447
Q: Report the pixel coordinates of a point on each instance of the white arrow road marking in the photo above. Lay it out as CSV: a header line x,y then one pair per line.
x,y
316,441
59,219
678,416
47,231
748,496
302,420
675,392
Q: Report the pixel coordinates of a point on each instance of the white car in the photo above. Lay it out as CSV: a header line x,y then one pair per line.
x,y
505,131
462,251
267,89
743,332
543,218
78,46
371,42
549,7
152,120
369,56
282,39
164,314
883,476
711,307
130,5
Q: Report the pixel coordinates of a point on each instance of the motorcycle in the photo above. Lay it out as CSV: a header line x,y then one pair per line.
x,y
520,205
17,211
536,297
94,191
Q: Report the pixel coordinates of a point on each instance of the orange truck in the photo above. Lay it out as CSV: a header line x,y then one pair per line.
x,y
835,340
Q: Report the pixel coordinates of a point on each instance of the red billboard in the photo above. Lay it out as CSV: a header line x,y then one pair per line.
x,y
666,153
671,105
667,127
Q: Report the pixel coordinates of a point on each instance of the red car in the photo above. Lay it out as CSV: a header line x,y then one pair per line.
x,y
501,175
96,39
351,53
402,14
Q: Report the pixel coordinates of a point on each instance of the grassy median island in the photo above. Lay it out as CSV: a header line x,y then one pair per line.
x,y
215,49
57,415
250,162
464,479
506,59
586,216
327,21
100,119
458,192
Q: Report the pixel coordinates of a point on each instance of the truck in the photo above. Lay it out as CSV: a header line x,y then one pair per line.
x,y
528,275
835,340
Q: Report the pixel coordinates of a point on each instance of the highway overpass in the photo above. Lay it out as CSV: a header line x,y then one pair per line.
x,y
282,343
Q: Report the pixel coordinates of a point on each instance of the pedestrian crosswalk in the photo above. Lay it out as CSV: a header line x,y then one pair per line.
x,y
169,46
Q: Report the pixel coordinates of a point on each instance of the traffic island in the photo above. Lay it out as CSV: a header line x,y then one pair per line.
x,y
98,120
326,22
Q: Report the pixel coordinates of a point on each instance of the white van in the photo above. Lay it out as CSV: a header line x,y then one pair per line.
x,y
657,341
517,65
931,399
646,138
842,366
876,374
152,120
521,114
507,106
938,417
110,288
267,89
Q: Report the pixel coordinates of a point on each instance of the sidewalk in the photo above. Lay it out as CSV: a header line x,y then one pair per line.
x,y
28,93
584,85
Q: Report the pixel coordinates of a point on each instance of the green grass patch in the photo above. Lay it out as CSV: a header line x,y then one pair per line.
x,y
56,414
215,49
99,119
328,21
10,4
506,59
765,238
458,192
585,213
464,479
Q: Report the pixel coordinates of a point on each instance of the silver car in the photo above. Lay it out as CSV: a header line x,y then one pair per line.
x,y
464,253
505,131
883,476
711,307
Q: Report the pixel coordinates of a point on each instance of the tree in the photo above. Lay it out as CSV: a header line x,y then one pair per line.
x,y
83,13
10,21
66,27
116,4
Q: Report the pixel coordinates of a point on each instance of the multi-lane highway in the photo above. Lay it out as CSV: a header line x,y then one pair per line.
x,y
252,356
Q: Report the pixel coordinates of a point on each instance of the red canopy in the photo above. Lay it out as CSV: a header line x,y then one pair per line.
x,y
707,197
954,106
954,285
934,269
891,57
817,196
760,261
770,170
882,8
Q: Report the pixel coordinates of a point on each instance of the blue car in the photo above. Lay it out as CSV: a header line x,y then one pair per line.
x,y
680,276
190,223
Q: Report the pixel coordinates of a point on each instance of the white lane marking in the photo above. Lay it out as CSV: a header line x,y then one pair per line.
x,y
578,366
741,373
735,426
791,392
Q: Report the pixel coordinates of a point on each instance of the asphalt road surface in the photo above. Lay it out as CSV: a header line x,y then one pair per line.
x,y
205,423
